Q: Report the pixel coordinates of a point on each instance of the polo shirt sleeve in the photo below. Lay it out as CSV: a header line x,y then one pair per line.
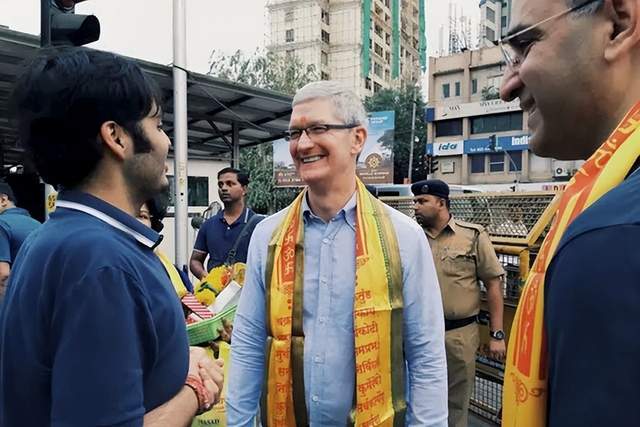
x,y
592,295
201,238
5,243
488,265
102,341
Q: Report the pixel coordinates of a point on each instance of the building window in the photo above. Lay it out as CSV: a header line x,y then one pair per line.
x,y
378,49
496,162
290,53
324,58
477,163
325,17
387,3
377,69
490,34
197,189
452,127
457,88
289,36
376,87
387,75
288,16
325,36
491,16
387,57
446,90
324,76
497,123
367,83
387,39
515,164
474,86
378,30
504,22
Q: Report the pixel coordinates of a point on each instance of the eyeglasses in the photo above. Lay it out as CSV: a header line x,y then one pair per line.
x,y
516,51
314,131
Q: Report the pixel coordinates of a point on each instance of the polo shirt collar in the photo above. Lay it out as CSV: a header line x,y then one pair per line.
x,y
348,212
242,219
98,208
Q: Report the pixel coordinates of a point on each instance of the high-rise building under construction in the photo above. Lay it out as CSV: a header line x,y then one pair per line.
x,y
369,45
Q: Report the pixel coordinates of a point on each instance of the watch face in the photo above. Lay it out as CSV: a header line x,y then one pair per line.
x,y
499,335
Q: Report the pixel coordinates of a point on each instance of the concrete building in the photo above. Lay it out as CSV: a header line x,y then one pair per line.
x,y
495,16
368,45
464,115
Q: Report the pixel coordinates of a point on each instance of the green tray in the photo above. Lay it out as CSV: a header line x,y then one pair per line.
x,y
207,330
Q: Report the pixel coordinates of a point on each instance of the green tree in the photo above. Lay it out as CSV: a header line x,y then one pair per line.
x,y
400,101
267,70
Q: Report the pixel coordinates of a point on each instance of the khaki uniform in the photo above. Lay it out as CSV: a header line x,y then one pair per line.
x,y
462,254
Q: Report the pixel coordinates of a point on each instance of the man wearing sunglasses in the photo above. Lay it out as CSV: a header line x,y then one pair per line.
x,y
342,292
573,351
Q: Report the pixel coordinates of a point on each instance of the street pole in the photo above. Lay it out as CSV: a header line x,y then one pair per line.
x,y
180,131
413,130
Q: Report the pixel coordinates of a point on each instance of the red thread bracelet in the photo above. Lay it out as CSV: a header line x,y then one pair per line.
x,y
204,400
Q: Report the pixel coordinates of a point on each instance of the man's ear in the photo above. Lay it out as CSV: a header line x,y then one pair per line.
x,y
113,137
625,28
360,139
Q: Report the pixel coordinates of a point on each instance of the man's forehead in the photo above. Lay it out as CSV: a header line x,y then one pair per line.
x,y
228,176
318,110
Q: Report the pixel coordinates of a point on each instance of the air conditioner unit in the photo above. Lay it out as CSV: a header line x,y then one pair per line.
x,y
561,172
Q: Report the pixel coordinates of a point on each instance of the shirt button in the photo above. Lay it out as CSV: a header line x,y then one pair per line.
x,y
315,398
322,320
325,241
317,359
323,281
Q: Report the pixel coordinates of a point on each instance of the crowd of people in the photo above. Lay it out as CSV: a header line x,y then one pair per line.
x,y
351,313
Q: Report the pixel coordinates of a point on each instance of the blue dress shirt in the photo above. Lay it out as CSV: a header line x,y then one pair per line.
x,y
329,283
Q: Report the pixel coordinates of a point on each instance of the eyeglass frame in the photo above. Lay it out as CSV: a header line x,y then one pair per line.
x,y
288,137
511,63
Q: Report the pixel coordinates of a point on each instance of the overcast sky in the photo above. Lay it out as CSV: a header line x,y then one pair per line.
x,y
143,28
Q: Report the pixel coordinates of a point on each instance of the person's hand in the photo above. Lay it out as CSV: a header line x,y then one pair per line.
x,y
208,370
497,349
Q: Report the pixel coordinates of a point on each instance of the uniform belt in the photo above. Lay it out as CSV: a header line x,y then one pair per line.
x,y
459,323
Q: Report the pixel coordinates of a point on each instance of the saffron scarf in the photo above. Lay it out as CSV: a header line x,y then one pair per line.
x,y
525,379
379,393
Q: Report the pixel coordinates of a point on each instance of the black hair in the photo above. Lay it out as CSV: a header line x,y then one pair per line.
x,y
589,7
243,177
62,100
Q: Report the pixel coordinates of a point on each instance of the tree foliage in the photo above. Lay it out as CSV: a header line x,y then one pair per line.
x,y
267,70
400,101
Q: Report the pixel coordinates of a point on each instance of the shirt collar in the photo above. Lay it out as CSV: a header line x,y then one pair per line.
x,y
98,208
348,212
242,219
16,211
451,225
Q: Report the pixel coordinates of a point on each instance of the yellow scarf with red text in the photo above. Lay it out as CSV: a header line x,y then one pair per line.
x,y
377,319
525,379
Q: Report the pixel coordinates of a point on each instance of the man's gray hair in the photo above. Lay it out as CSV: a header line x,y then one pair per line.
x,y
348,107
589,9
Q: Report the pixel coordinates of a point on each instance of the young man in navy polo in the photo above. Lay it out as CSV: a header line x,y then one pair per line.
x,y
230,228
91,333
15,225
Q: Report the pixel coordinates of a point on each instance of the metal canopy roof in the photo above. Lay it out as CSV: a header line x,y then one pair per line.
x,y
218,109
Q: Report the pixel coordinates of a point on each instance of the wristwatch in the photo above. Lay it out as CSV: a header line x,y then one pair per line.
x,y
497,335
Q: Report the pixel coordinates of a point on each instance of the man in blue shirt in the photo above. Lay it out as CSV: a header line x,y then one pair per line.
x,y
327,132
219,234
93,334
15,225
573,66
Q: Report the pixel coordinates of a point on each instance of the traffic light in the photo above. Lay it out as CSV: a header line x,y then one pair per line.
x,y
60,26
432,164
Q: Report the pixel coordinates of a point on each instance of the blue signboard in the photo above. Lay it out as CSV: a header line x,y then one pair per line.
x,y
479,146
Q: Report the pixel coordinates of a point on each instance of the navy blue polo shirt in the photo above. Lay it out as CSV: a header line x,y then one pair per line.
x,y
216,238
15,225
592,315
91,333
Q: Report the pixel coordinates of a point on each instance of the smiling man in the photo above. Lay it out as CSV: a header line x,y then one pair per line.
x,y
92,334
224,238
573,353
342,292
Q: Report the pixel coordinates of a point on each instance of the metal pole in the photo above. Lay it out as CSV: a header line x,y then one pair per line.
x,y
180,132
45,23
235,141
413,129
